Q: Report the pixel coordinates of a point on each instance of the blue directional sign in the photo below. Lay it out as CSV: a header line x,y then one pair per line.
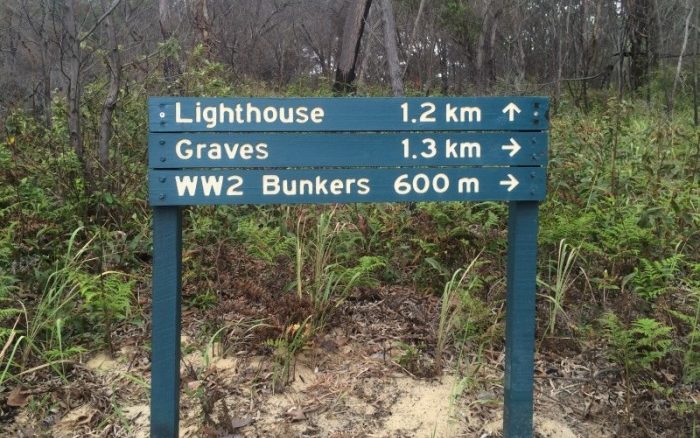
x,y
189,114
212,151
233,150
323,186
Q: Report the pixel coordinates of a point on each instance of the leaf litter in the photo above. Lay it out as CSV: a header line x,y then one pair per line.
x,y
351,379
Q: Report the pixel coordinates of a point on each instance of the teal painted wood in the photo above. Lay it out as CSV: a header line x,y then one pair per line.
x,y
520,319
523,183
240,150
165,324
321,186
236,114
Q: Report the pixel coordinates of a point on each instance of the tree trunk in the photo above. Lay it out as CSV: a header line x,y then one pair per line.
x,y
203,24
391,47
46,80
350,45
169,66
369,49
642,41
444,66
72,54
481,52
492,49
679,66
113,61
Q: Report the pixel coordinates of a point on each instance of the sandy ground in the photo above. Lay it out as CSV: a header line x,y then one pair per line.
x,y
330,395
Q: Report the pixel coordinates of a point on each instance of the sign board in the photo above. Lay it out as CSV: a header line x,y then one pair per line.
x,y
381,114
213,151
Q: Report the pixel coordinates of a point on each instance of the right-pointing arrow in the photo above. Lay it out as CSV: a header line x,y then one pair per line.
x,y
511,182
513,147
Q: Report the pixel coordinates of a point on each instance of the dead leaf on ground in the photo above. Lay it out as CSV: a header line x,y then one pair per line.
x,y
237,423
17,398
295,414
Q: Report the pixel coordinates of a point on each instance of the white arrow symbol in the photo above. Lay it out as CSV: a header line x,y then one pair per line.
x,y
511,109
511,182
513,147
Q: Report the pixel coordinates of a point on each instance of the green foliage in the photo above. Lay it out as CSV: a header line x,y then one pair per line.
x,y
610,224
459,17
284,350
107,296
409,356
639,347
652,278
443,235
566,258
204,77
327,282
690,318
463,316
42,335
265,242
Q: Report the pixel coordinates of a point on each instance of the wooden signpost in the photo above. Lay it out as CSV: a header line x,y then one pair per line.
x,y
211,151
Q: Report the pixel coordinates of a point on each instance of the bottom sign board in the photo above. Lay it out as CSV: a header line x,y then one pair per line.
x,y
318,186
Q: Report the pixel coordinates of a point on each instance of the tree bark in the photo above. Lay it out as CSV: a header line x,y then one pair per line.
x,y
350,45
72,55
642,41
203,23
676,79
392,48
114,67
169,66
481,52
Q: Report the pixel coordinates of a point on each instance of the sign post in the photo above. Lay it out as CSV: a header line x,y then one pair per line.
x,y
214,151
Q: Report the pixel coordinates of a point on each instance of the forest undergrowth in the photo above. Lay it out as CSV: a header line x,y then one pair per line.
x,y
618,282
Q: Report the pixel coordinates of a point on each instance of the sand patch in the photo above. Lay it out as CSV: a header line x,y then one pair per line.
x,y
101,362
545,427
424,409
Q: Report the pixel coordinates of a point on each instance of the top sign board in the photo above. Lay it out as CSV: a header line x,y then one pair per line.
x,y
194,114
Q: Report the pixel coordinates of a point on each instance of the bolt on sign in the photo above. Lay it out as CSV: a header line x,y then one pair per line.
x,y
214,151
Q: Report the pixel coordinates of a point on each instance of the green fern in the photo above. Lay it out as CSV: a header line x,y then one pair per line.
x,y
636,348
653,278
264,242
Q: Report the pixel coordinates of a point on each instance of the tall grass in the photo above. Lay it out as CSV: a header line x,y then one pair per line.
x,y
42,337
566,257
450,309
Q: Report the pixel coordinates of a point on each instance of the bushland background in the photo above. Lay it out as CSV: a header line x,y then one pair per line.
x,y
337,321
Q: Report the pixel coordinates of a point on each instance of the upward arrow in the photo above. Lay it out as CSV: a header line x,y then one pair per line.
x,y
511,109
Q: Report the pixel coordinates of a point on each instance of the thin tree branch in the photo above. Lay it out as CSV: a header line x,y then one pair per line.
x,y
99,21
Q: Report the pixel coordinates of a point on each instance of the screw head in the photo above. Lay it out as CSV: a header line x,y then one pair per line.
x,y
162,115
162,159
162,142
161,196
161,179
